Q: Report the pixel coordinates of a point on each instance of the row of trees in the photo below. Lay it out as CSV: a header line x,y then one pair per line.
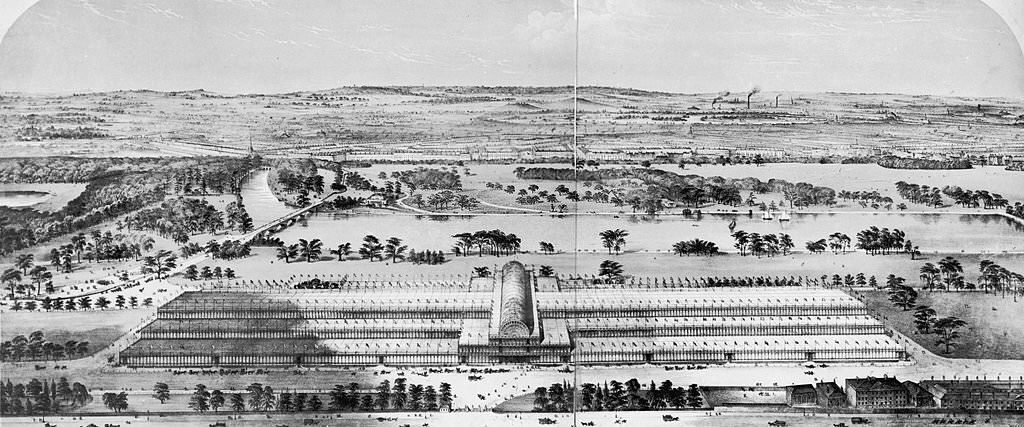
x,y
615,395
41,397
883,241
310,250
206,273
444,200
83,303
494,242
757,244
372,249
923,194
836,242
349,397
426,257
207,180
947,275
695,247
398,396
974,198
36,347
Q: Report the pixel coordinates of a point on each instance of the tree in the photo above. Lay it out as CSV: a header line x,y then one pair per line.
x,y
267,399
39,275
930,275
924,318
444,399
314,403
159,264
632,392
610,270
191,272
946,328
216,399
24,262
287,252
785,243
399,398
343,250
237,402
116,402
951,269
255,395
546,271
901,295
613,239
11,277
541,401
285,403
366,403
200,400
394,249
383,398
310,249
693,397
371,248
161,392
482,271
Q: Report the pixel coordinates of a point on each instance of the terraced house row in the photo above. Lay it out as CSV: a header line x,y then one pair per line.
x,y
512,317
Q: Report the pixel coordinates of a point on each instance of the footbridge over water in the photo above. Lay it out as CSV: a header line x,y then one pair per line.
x,y
285,221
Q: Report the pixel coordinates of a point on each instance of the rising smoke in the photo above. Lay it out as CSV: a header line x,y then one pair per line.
x,y
721,96
752,92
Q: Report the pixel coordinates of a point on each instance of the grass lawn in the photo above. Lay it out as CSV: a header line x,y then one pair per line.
x,y
264,266
994,329
99,328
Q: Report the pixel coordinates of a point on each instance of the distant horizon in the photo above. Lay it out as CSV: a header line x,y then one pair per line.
x,y
737,93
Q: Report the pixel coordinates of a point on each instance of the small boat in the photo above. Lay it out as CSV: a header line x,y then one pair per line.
x,y
766,216
732,225
784,216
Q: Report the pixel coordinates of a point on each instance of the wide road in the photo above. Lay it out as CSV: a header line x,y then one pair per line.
x,y
490,419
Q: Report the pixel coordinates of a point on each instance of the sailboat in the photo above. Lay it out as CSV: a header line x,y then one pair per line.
x,y
784,216
766,216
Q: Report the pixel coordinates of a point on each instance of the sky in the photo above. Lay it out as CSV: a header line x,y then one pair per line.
x,y
940,47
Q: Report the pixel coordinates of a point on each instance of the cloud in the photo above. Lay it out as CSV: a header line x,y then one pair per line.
x,y
546,31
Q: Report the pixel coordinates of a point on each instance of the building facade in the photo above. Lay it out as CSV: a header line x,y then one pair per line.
x,y
514,317
1002,395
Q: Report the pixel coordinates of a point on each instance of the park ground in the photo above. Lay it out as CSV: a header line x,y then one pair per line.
x,y
490,419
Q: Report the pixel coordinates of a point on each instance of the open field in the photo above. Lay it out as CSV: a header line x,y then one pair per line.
x,y
98,328
994,329
426,123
